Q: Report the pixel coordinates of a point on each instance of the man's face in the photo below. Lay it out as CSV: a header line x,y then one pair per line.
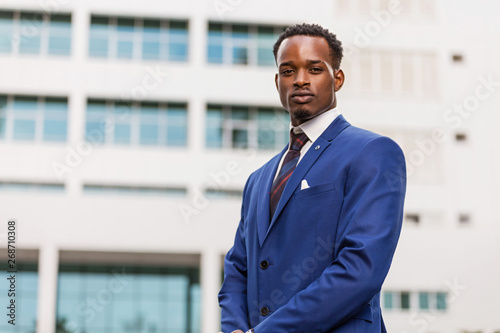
x,y
306,80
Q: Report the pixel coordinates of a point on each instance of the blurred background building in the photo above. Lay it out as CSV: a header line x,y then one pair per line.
x,y
128,129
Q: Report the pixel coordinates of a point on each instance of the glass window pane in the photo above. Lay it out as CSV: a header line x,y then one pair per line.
x,y
94,131
125,31
3,106
215,42
177,127
6,31
60,35
56,108
24,129
423,298
215,53
151,39
26,299
149,134
31,26
240,113
177,52
266,39
214,127
26,105
240,55
99,37
405,300
388,304
265,56
240,138
441,301
55,130
2,127
143,300
122,134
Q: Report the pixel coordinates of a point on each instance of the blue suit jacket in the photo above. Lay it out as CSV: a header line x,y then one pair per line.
x,y
328,248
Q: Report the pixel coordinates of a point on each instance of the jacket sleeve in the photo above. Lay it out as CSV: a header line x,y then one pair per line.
x,y
367,235
233,294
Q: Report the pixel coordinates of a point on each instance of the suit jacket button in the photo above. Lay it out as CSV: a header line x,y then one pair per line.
x,y
264,264
264,311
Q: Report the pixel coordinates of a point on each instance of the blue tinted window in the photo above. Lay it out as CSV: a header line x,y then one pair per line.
x,y
266,137
214,127
151,39
99,37
441,301
149,124
26,299
125,35
241,44
55,119
3,115
244,127
265,41
24,114
129,38
60,35
133,299
95,126
6,31
32,24
215,43
405,300
176,126
178,41
388,300
423,300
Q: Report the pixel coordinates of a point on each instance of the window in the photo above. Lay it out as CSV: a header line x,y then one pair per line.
x,y
26,298
136,38
11,186
418,9
241,44
421,300
405,300
35,33
102,298
464,219
134,190
217,193
405,74
33,118
246,127
412,218
460,137
137,123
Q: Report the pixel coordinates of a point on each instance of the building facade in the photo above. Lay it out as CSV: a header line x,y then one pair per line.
x,y
128,131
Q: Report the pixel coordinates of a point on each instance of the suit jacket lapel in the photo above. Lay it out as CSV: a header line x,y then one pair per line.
x,y
264,209
316,149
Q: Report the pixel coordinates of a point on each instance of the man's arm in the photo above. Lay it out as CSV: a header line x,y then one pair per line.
x,y
369,228
233,294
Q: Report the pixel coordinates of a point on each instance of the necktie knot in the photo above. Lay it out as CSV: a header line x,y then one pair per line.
x,y
297,140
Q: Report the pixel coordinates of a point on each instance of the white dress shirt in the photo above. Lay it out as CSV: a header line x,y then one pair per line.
x,y
313,129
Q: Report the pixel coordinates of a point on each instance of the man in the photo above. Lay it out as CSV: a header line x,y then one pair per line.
x,y
320,221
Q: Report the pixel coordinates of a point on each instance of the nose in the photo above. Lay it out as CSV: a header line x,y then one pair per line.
x,y
301,78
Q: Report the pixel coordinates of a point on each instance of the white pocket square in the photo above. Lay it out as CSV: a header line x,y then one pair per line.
x,y
304,185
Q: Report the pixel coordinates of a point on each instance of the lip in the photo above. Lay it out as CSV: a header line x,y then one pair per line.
x,y
302,97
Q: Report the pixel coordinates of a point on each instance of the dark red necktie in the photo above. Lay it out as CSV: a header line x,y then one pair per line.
x,y
297,141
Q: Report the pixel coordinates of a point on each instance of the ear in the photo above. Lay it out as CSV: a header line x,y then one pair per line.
x,y
276,81
339,79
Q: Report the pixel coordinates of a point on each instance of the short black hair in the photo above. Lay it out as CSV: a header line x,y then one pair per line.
x,y
315,30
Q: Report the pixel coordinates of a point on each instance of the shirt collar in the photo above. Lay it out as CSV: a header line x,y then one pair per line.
x,y
317,125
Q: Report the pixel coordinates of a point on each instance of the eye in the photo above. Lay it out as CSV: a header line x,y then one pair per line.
x,y
316,69
286,71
